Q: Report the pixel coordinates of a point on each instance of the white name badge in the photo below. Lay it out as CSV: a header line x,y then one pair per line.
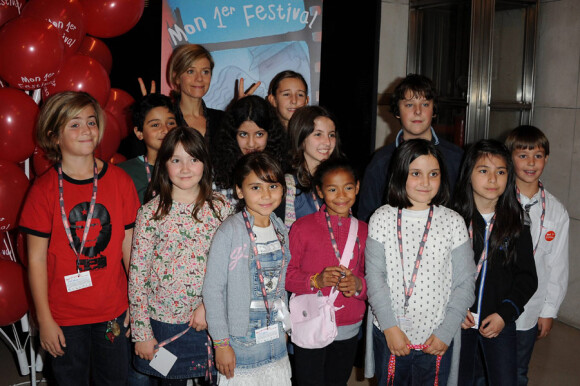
x,y
405,322
266,334
78,281
163,361
475,320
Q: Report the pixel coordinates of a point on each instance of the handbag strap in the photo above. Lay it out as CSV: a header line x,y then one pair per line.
x,y
347,253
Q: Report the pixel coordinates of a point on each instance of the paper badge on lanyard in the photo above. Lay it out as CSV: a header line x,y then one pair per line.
x,y
79,280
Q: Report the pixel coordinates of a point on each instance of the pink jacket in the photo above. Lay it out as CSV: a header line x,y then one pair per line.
x,y
311,251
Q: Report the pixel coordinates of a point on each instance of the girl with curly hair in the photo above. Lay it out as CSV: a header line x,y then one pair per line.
x,y
250,125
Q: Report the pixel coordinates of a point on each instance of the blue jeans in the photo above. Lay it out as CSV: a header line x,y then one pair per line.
x,y
89,358
526,341
417,368
498,357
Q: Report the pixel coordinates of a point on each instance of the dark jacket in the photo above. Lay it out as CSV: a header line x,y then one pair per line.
x,y
374,183
507,288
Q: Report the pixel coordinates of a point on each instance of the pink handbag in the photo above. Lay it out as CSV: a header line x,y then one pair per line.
x,y
313,315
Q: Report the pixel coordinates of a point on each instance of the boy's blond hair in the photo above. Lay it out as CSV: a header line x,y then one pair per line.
x,y
56,112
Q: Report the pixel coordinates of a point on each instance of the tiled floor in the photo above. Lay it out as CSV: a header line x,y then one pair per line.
x,y
555,362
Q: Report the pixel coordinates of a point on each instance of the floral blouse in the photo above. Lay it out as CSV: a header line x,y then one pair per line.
x,y
168,261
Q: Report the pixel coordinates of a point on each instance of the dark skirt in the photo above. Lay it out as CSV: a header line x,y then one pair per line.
x,y
191,351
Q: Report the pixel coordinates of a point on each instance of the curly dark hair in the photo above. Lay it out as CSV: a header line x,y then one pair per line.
x,y
224,149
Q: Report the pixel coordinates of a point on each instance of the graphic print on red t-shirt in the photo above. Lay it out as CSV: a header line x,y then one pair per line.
x,y
98,236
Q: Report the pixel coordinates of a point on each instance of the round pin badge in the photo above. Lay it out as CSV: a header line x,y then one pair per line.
x,y
550,235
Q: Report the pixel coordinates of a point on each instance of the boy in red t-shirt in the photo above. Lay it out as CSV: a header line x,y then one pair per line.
x,y
79,219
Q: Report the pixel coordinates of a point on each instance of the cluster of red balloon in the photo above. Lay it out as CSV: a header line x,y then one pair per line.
x,y
45,44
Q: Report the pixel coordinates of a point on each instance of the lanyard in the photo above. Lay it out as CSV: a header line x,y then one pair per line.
x,y
392,359
89,215
542,203
208,371
332,238
147,169
483,257
259,265
409,290
316,204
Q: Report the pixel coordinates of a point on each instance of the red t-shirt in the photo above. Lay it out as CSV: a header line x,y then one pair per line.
x,y
115,211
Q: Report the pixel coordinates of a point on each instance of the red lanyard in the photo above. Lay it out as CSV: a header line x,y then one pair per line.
x,y
543,203
147,169
333,239
89,215
391,367
316,204
409,290
483,256
259,265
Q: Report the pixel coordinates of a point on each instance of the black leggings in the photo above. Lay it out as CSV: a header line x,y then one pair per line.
x,y
328,366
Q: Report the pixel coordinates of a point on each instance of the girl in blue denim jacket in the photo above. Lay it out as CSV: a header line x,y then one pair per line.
x,y
244,284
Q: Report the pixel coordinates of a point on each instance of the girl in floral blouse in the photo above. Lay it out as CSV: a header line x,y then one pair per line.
x,y
172,238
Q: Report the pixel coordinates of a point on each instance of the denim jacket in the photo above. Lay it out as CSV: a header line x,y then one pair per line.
x,y
227,284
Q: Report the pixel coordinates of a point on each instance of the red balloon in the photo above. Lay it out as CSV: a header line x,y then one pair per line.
x,y
40,163
81,73
98,50
13,187
119,104
66,15
10,10
13,292
18,114
109,18
31,52
111,140
6,240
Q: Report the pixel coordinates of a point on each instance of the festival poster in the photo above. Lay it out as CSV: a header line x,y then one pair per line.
x,y
250,39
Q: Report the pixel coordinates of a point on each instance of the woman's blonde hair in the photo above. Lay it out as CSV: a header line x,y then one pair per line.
x,y
182,58
56,112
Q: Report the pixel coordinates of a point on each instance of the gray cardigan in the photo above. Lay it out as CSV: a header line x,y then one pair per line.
x,y
461,298
227,284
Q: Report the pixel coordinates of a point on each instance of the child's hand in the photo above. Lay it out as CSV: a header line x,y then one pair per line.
x,y
126,324
491,326
198,318
436,346
242,93
143,89
146,350
350,284
52,338
468,322
544,327
397,341
328,277
225,360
